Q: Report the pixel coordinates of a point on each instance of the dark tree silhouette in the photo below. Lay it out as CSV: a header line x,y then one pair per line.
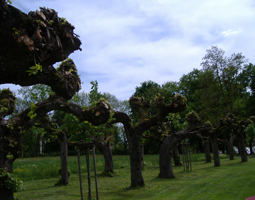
x,y
35,42
135,132
166,153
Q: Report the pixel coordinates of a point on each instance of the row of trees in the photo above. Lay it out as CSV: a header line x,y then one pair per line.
x,y
224,85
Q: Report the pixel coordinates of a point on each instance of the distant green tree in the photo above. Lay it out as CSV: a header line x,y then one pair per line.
x,y
248,79
147,90
190,87
28,96
119,139
94,94
169,89
220,83
250,135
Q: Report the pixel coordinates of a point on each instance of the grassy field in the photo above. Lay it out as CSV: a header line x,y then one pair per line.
x,y
232,180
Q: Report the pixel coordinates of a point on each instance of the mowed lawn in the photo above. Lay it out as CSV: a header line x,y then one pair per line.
x,y
232,180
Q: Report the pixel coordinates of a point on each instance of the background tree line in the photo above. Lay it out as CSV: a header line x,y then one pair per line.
x,y
223,85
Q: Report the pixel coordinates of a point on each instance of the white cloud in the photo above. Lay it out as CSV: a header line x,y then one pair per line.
x,y
231,32
127,42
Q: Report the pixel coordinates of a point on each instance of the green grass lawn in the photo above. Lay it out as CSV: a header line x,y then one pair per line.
x,y
232,180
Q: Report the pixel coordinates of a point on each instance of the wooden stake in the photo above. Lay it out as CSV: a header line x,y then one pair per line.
x,y
88,169
95,170
79,164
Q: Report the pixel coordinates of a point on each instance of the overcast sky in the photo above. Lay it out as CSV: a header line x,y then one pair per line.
x,y
127,42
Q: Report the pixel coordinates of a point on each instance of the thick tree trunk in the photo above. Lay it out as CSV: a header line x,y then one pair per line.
x,y
6,194
63,155
5,164
231,145
208,157
176,156
216,157
107,152
200,146
165,158
242,148
135,162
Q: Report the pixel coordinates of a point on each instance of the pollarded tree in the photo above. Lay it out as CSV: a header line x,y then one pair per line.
x,y
158,134
148,90
238,127
134,132
166,152
30,45
11,129
83,130
213,133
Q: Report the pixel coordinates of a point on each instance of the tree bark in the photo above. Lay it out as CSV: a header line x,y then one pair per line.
x,y
231,145
6,194
176,156
135,162
208,157
6,164
165,157
214,142
107,152
242,148
63,155
109,167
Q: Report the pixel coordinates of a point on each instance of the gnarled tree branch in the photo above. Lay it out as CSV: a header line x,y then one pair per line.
x,y
39,39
